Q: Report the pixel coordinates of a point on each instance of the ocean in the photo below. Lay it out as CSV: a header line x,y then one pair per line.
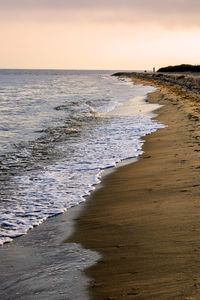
x,y
59,131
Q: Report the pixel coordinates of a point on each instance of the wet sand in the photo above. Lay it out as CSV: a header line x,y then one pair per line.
x,y
145,220
40,266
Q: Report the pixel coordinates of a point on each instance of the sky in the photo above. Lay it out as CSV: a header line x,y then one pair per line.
x,y
99,34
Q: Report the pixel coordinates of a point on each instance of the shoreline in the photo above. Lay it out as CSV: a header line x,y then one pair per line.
x,y
30,261
40,265
144,219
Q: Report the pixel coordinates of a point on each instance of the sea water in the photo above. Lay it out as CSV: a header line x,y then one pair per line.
x,y
58,131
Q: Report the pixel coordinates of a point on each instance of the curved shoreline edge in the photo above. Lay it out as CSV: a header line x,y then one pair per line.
x,y
144,221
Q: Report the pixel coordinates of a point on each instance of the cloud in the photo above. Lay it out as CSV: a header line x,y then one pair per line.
x,y
166,13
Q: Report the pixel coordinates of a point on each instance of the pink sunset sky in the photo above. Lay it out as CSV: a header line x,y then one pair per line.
x,y
102,34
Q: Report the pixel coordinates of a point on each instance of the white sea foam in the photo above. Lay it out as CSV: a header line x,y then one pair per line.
x,y
89,123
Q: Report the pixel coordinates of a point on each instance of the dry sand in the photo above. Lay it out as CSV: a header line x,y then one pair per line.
x,y
145,220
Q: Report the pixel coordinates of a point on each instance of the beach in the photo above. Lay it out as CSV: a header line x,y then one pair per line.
x,y
144,220
137,235
100,150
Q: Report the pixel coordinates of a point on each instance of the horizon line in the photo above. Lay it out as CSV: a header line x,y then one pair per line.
x,y
59,69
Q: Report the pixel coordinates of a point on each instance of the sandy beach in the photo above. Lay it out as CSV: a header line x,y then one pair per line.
x,y
100,150
144,220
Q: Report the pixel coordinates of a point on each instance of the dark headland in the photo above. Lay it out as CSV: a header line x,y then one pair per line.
x,y
181,68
